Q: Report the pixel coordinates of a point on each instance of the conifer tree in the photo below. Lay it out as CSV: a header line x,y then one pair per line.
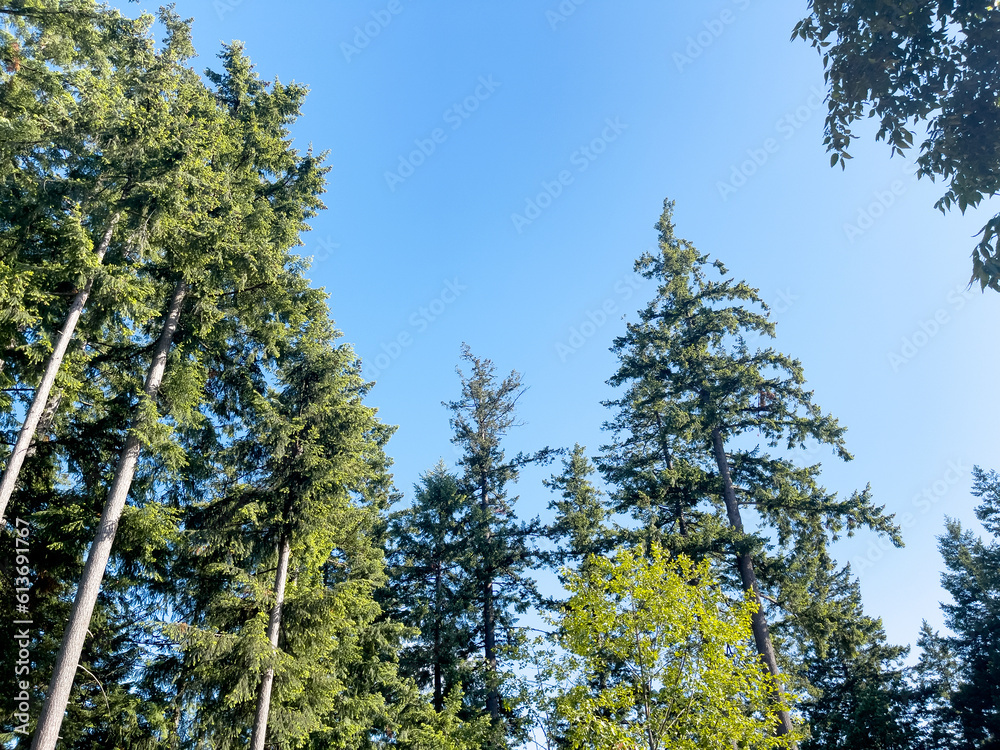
x,y
935,679
499,546
690,371
428,586
580,527
98,173
269,649
652,472
334,674
959,671
229,227
860,697
99,114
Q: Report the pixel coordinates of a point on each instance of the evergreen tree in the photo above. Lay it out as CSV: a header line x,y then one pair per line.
x,y
275,660
654,475
100,172
692,374
230,222
429,588
107,149
935,680
580,527
861,698
960,672
499,546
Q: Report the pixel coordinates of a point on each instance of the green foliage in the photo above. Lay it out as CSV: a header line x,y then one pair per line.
x,y
426,729
499,548
968,662
860,698
581,515
912,63
199,197
429,589
691,677
100,114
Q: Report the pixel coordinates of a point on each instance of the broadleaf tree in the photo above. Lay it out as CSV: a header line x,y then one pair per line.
x,y
927,65
692,678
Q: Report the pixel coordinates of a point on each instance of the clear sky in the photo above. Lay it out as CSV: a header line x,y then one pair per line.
x,y
447,124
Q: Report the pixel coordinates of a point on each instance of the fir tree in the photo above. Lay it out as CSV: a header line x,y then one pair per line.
x,y
691,372
429,587
861,698
959,672
230,222
100,173
580,527
936,679
499,546
289,540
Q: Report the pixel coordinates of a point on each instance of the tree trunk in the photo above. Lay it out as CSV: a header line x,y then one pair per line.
x,y
273,628
27,433
489,624
438,609
47,418
679,508
744,563
68,659
175,737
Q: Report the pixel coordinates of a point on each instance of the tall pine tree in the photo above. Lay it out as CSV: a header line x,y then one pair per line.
x,y
960,671
499,545
429,587
581,524
697,395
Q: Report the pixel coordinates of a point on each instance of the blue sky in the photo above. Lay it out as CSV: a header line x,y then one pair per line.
x,y
498,167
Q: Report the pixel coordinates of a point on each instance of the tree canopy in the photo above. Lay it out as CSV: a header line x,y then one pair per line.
x,y
201,524
926,71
